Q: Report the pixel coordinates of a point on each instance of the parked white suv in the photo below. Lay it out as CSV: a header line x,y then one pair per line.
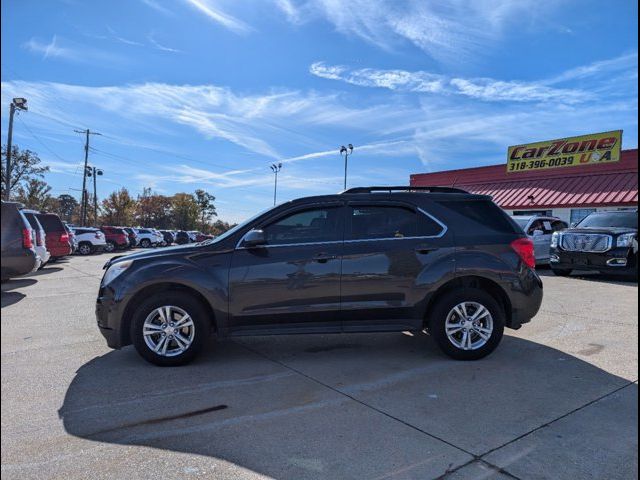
x,y
148,237
90,240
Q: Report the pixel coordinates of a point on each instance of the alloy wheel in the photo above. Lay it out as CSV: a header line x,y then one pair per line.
x,y
469,325
168,331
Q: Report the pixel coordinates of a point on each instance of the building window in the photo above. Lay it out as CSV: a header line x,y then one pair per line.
x,y
577,214
542,213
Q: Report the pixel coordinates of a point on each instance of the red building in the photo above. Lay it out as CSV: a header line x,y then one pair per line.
x,y
569,193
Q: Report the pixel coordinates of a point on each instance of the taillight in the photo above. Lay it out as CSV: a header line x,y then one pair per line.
x,y
64,237
27,241
524,248
97,234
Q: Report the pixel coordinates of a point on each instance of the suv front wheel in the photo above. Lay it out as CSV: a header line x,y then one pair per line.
x,y
467,324
169,329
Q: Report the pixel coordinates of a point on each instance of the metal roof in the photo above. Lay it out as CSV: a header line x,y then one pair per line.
x,y
584,186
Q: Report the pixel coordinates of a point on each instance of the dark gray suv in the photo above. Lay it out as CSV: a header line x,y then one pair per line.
x,y
375,259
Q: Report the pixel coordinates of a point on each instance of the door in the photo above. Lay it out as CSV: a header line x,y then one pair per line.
x,y
388,247
292,282
540,232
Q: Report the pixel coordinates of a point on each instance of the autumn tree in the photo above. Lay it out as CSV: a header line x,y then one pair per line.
x,y
25,166
153,210
118,208
219,227
34,193
206,207
185,211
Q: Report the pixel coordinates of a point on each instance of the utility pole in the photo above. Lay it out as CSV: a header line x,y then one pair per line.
x,y
83,205
275,168
20,104
346,151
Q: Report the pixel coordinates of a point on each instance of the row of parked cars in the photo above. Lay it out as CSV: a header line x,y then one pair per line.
x,y
31,239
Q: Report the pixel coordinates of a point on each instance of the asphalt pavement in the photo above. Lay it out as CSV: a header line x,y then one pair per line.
x,y
557,400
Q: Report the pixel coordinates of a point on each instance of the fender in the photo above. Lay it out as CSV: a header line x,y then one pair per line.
x,y
206,272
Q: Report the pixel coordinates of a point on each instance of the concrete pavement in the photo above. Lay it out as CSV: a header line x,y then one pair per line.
x,y
558,399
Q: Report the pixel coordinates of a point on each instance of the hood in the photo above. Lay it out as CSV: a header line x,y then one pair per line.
x,y
156,253
602,230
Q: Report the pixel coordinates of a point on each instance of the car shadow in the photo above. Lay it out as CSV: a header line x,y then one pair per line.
x,y
18,283
295,407
45,271
9,298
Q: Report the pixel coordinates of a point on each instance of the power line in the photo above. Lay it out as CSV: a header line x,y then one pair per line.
x,y
24,124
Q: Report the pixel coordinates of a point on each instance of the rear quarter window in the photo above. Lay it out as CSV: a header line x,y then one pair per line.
x,y
51,223
480,216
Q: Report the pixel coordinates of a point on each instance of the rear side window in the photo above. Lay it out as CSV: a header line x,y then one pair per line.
x,y
51,223
33,221
375,222
483,215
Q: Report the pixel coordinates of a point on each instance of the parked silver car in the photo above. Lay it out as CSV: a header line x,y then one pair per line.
x,y
539,229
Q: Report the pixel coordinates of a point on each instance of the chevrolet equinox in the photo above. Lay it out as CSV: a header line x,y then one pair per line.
x,y
371,259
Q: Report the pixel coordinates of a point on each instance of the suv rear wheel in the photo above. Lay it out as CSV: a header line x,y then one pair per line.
x,y
85,248
145,243
170,329
467,324
110,246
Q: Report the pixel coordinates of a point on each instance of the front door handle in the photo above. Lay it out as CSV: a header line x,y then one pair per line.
x,y
323,257
423,249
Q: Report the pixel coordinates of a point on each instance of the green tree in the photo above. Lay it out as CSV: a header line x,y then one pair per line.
x,y
185,211
118,208
34,193
205,205
67,206
25,165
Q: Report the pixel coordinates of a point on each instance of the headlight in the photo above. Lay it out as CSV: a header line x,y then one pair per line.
x,y
555,239
626,240
114,271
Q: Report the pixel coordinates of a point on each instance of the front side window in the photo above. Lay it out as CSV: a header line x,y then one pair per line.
x,y
308,226
376,222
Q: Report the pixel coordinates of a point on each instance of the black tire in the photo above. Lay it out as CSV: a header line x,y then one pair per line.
x,y
184,301
110,247
445,305
561,272
145,243
85,248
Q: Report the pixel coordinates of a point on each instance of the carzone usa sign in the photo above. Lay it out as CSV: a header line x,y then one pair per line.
x,y
566,152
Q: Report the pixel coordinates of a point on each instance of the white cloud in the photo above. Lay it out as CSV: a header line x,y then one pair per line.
x,y
448,31
211,11
51,49
161,47
486,89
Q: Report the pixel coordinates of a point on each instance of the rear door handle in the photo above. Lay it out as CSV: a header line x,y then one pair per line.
x,y
423,250
323,257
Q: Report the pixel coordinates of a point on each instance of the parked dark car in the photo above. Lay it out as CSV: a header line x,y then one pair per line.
x,y
168,236
201,237
132,236
18,253
603,241
182,237
368,260
115,237
57,238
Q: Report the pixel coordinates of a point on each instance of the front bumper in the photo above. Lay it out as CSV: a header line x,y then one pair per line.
x,y
619,260
109,312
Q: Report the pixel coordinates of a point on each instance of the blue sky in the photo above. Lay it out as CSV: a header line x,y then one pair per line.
x,y
208,93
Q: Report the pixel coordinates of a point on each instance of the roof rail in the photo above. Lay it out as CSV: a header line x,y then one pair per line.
x,y
404,189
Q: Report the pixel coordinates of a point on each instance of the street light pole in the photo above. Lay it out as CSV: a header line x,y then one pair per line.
x,y
95,172
346,151
275,168
20,104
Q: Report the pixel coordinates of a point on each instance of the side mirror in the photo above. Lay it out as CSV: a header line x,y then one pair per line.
x,y
253,238
538,233
574,225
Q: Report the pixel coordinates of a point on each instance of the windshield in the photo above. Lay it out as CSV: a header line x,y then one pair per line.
x,y
610,219
233,230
